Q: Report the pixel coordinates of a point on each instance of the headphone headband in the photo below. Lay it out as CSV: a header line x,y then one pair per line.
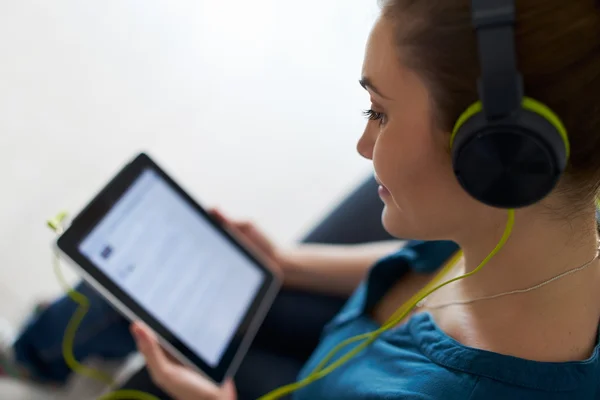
x,y
500,85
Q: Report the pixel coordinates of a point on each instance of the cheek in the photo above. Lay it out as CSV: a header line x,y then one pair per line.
x,y
418,173
402,161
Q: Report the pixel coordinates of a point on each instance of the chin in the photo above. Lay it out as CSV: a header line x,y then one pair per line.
x,y
396,224
393,223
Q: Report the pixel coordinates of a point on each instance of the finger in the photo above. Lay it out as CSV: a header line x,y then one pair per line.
x,y
245,227
244,224
159,365
219,216
252,232
228,390
240,226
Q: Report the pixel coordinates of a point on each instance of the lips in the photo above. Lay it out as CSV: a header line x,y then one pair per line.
x,y
382,190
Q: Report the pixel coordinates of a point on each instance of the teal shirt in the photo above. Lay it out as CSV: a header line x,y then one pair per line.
x,y
417,360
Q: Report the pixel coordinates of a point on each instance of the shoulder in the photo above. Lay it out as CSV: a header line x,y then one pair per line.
x,y
489,389
440,367
439,386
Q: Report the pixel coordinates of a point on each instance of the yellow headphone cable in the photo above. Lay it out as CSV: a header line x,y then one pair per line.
x,y
82,301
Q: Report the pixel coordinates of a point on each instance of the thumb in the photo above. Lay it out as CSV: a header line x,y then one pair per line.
x,y
158,363
228,390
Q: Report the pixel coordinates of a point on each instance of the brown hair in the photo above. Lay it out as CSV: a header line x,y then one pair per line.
x,y
558,50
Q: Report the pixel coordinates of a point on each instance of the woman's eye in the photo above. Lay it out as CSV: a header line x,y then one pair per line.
x,y
372,115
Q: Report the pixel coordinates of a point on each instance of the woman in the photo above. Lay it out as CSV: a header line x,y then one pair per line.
x,y
420,70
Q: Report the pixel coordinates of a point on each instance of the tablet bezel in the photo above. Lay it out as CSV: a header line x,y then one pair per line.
x,y
68,243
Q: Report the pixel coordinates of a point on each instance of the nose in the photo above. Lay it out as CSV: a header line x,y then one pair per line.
x,y
365,145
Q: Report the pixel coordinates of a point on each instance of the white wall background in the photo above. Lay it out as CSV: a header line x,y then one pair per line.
x,y
253,105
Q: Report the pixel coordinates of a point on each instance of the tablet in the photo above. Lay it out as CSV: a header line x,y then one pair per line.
x,y
153,252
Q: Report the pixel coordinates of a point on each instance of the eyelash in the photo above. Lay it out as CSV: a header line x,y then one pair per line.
x,y
374,116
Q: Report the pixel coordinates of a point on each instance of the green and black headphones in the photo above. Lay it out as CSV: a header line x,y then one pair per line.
x,y
508,150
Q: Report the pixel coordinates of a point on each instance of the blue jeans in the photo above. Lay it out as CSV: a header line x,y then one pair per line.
x,y
103,333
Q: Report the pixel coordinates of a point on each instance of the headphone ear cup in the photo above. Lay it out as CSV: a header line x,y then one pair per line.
x,y
509,163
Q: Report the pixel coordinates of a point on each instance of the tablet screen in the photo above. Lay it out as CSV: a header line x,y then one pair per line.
x,y
166,256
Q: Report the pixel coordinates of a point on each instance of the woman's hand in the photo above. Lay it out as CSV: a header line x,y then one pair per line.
x,y
252,237
178,381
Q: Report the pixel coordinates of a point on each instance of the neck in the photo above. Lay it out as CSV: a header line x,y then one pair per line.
x,y
538,249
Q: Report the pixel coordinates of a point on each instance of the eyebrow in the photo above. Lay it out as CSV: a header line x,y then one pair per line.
x,y
367,84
